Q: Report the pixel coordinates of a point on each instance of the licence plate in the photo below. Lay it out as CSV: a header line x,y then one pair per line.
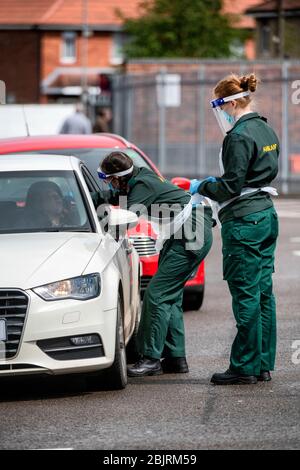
x,y
3,335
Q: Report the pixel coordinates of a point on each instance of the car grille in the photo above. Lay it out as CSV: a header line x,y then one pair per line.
x,y
144,283
145,246
13,307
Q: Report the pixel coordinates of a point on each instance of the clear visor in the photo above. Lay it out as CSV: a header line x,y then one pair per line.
x,y
225,121
104,176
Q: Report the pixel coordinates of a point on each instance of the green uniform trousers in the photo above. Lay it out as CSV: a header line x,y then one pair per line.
x,y
248,264
161,331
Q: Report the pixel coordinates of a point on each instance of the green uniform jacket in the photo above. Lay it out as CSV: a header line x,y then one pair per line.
x,y
250,157
146,188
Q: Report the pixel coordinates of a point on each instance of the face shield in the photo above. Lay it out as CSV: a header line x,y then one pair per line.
x,y
225,120
104,176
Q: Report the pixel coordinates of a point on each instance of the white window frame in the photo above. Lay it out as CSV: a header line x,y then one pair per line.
x,y
64,58
117,48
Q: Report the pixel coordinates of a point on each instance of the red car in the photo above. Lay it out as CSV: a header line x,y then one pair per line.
x,y
91,149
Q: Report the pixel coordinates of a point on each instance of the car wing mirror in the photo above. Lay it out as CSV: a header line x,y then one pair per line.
x,y
120,220
183,183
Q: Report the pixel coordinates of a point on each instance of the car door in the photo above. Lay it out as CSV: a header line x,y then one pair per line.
x,y
123,258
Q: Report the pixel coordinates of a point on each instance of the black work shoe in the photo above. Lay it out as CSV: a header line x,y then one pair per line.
x,y
145,366
264,376
175,365
229,378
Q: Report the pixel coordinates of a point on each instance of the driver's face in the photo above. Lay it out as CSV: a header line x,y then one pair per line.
x,y
52,202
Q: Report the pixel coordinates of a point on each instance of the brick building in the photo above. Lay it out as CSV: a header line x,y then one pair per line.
x,y
275,38
52,49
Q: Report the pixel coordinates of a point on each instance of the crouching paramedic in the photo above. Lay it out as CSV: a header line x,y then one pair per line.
x,y
170,209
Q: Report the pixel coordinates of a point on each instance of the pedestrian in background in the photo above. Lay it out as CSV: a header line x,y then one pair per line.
x,y
77,123
103,120
249,163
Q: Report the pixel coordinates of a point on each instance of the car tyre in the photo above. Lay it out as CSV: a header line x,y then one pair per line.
x,y
131,348
116,375
193,300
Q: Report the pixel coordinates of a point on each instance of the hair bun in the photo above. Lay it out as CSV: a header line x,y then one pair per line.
x,y
249,82
244,83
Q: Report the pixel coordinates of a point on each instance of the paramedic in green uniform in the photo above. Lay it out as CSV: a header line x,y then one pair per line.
x,y
161,331
249,164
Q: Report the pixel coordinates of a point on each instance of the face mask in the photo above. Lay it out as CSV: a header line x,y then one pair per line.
x,y
114,190
230,119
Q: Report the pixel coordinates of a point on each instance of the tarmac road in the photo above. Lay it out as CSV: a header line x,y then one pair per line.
x,y
178,411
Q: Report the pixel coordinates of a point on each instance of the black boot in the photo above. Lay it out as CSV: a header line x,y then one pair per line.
x,y
145,366
229,378
175,365
264,376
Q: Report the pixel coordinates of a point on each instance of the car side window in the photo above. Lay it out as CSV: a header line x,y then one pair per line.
x,y
88,178
94,189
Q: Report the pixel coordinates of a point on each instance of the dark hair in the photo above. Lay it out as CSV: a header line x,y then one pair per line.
x,y
117,161
38,189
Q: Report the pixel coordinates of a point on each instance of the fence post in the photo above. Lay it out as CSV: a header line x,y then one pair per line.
x,y
128,107
285,129
162,120
201,116
117,104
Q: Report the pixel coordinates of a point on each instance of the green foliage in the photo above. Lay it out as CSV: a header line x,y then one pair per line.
x,y
180,28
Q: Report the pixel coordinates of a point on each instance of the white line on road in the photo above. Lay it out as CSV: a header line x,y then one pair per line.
x,y
288,214
57,448
295,240
296,253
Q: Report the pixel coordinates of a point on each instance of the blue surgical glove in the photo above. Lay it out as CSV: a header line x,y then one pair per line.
x,y
194,186
210,179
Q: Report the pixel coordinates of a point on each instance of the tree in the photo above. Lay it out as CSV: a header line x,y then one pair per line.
x,y
180,28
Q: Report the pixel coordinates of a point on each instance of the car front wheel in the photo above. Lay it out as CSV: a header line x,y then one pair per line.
x,y
193,300
116,375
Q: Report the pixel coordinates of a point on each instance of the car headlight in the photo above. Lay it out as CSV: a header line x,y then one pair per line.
x,y
78,288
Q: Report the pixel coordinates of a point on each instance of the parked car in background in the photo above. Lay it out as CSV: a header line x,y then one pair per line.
x,y
69,290
92,149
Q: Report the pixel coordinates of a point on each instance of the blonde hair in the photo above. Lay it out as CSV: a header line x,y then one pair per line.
x,y
232,84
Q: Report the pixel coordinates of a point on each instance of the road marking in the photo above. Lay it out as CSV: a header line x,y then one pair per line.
x,y
295,240
288,214
58,448
296,253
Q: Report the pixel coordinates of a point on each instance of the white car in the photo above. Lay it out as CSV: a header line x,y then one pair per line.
x,y
69,285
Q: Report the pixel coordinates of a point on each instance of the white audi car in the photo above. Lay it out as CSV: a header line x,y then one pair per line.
x,y
69,279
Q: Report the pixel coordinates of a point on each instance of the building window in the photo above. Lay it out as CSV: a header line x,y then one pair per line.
x,y
265,39
68,49
117,48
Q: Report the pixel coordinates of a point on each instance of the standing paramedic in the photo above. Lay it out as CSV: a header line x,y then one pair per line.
x,y
248,164
161,330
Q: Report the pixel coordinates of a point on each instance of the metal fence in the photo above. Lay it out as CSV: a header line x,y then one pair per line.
x,y
168,115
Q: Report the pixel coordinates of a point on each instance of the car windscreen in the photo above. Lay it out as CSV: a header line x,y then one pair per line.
x,y
92,157
37,201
